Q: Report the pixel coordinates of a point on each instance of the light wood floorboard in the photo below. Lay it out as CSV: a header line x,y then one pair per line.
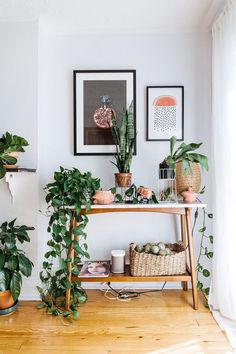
x,y
152,324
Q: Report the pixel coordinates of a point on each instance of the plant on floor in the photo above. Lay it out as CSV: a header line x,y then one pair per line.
x,y
66,196
184,153
9,146
13,261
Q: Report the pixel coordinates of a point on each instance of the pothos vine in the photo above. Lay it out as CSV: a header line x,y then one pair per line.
x,y
65,196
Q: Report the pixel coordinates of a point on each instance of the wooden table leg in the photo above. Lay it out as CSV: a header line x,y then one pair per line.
x,y
183,237
69,266
191,259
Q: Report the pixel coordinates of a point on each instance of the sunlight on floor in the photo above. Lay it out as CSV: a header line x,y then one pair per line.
x,y
192,347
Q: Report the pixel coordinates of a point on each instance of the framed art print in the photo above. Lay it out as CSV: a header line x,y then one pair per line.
x,y
97,95
165,112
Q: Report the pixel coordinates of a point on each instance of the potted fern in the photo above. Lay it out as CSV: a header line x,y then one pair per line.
x,y
13,264
187,164
124,139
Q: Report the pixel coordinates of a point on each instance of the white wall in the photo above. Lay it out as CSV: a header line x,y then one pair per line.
x,y
18,84
159,59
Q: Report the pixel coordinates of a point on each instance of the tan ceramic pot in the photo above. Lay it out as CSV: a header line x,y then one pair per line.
x,y
6,299
187,180
13,154
103,197
123,179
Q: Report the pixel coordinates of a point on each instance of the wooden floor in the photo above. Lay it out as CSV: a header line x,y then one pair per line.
x,y
154,323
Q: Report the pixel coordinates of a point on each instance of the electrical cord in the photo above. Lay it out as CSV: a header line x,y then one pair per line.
x,y
126,294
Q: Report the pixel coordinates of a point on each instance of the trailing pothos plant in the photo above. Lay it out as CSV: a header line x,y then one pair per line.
x,y
66,195
205,250
13,261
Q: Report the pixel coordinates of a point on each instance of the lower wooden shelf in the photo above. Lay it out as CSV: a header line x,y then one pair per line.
x,y
127,277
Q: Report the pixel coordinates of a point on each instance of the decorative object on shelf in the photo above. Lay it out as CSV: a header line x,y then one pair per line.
x,y
186,162
97,95
118,261
13,263
102,115
166,184
66,195
165,112
151,259
103,197
95,269
10,147
134,195
189,196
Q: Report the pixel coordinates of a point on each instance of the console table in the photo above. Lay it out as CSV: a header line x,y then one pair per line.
x,y
179,209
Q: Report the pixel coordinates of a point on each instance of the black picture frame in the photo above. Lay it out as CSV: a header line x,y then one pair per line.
x,y
174,113
88,83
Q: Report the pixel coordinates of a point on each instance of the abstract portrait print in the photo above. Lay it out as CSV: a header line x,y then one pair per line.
x,y
164,110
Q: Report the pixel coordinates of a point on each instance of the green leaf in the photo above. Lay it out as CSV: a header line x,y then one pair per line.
x,y
4,280
15,285
210,216
207,291
203,229
210,255
206,273
75,313
25,265
199,285
173,140
211,238
42,305
2,259
12,263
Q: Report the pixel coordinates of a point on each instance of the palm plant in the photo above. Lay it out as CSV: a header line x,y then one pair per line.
x,y
124,139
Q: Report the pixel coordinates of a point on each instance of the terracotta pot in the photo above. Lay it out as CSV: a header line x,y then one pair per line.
x,y
103,197
184,181
123,179
189,196
6,299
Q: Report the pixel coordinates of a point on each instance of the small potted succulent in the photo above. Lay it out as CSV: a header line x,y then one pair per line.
x,y
10,147
187,164
13,263
124,139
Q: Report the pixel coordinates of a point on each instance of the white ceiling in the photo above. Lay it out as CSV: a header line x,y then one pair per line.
x,y
92,16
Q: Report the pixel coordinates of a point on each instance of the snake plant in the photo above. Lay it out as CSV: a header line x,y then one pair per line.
x,y
124,139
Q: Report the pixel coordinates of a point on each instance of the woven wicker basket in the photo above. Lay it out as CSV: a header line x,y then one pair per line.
x,y
147,264
184,181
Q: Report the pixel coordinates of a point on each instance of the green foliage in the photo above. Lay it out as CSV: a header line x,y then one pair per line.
x,y
124,139
10,143
202,272
185,154
133,196
66,196
13,262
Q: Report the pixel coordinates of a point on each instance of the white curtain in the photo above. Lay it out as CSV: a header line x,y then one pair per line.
x,y
223,291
